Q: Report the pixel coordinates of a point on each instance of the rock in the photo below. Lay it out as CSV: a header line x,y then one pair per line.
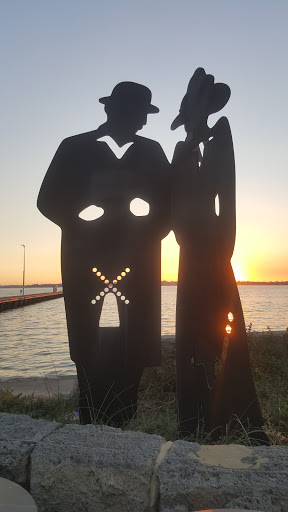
x,y
18,436
14,460
97,468
94,468
192,477
21,427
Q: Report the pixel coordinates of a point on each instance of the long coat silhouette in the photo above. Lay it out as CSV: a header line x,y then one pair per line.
x,y
124,248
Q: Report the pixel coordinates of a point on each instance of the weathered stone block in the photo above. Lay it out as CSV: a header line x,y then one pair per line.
x,y
18,436
89,468
194,477
14,460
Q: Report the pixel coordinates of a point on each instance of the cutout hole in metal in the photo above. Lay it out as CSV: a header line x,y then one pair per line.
x,y
92,212
109,314
217,205
230,316
139,207
228,329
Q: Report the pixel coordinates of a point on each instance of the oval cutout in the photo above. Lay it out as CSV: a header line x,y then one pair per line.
x,y
139,207
92,212
217,205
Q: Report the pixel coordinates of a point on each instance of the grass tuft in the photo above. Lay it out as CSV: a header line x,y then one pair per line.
x,y
60,409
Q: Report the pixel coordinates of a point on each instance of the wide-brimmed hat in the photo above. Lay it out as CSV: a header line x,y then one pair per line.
x,y
218,96
130,95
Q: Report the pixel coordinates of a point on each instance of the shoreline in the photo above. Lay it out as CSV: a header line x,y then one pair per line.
x,y
163,283
42,387
53,386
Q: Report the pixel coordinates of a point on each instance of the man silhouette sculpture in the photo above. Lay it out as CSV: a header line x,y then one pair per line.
x,y
117,253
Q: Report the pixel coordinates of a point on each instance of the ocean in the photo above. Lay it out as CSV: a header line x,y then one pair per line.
x,y
33,339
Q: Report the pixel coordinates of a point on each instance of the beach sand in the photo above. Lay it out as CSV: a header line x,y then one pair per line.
x,y
44,387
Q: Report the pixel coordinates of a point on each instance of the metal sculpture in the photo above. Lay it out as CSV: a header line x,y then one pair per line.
x,y
214,378
116,254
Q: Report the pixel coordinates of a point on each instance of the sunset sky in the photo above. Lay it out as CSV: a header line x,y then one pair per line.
x,y
59,57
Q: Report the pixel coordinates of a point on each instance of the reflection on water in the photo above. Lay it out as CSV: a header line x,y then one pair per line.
x,y
34,341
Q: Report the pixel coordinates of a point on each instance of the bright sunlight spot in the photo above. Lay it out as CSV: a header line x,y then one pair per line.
x,y
239,275
230,317
169,258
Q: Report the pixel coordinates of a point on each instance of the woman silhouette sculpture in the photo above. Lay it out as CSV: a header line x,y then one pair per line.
x,y
214,378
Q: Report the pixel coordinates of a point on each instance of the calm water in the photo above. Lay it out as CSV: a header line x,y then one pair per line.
x,y
33,339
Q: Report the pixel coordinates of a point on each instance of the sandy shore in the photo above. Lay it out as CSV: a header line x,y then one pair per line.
x,y
46,387
53,386
41,386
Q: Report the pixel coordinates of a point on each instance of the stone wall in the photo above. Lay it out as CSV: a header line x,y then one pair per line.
x,y
103,469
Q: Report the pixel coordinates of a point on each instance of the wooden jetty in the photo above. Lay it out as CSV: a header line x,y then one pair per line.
x,y
26,300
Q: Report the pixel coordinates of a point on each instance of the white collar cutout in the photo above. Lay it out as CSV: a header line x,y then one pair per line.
x,y
118,152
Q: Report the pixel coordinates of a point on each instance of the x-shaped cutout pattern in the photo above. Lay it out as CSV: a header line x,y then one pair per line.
x,y
110,286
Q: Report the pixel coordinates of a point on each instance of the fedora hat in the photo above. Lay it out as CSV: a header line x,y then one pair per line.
x,y
131,95
219,95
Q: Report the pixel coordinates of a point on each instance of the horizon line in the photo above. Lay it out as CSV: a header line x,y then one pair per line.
x,y
164,282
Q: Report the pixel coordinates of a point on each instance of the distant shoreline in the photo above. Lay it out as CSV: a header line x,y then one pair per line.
x,y
30,285
163,283
273,283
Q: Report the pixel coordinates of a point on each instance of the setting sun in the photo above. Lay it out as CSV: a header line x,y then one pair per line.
x,y
169,258
238,273
170,261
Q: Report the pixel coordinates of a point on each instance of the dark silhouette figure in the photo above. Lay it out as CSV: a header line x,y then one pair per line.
x,y
214,379
115,254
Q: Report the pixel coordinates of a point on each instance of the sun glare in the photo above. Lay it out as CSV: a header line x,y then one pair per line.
x,y
238,273
170,261
169,258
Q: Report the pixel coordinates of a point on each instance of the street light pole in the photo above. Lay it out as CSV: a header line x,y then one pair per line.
x,y
22,245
